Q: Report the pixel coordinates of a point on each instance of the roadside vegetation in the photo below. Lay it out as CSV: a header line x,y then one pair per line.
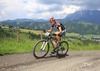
x,y
16,40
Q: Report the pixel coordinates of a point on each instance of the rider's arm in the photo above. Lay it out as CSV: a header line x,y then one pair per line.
x,y
58,32
50,30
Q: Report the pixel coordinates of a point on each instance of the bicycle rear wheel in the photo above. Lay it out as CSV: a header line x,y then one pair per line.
x,y
41,49
63,48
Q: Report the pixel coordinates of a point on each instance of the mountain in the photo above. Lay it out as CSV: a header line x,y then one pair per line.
x,y
92,16
83,22
41,20
26,23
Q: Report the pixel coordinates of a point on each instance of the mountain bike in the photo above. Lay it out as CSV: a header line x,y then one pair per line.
x,y
42,47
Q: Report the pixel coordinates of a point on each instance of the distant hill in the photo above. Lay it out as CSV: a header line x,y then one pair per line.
x,y
26,23
92,16
83,22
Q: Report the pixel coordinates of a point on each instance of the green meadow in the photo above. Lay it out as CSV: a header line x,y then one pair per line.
x,y
23,40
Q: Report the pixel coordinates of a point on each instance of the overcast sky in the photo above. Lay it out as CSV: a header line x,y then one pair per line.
x,y
43,9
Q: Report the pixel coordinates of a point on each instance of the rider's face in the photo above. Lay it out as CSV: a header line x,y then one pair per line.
x,y
53,22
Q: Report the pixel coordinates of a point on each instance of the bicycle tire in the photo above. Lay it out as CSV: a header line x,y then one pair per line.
x,y
63,48
37,52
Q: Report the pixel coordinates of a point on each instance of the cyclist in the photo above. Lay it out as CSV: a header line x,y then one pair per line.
x,y
61,30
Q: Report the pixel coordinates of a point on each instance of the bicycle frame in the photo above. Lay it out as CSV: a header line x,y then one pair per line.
x,y
49,38
43,45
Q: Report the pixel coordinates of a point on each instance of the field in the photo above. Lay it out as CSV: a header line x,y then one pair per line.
x,y
24,40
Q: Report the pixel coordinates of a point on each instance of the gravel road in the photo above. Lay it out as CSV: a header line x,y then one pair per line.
x,y
74,61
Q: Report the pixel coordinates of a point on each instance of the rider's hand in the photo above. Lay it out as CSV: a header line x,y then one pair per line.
x,y
44,31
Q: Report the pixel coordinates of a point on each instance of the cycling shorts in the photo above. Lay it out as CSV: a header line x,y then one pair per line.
x,y
62,33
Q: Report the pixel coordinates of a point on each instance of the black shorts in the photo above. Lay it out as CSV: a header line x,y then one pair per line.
x,y
62,33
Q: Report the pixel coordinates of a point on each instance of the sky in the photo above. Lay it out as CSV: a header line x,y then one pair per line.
x,y
43,9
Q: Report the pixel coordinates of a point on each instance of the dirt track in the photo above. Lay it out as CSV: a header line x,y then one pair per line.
x,y
75,61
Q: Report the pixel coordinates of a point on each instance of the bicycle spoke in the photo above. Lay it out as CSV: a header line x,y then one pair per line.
x,y
41,49
63,48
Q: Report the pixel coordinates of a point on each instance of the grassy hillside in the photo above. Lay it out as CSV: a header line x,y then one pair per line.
x,y
16,42
23,40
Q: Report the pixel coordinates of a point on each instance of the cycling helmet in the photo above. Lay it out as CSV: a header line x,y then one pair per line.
x,y
51,19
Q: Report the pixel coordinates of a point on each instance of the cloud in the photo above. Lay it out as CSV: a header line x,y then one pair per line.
x,y
61,2
10,9
84,4
39,7
58,8
43,9
91,5
2,9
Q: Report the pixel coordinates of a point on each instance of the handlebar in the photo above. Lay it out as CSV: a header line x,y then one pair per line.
x,y
49,34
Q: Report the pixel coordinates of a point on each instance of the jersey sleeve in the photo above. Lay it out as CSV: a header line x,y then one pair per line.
x,y
52,26
59,26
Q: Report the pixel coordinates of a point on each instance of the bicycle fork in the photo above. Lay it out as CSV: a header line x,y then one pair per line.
x,y
43,45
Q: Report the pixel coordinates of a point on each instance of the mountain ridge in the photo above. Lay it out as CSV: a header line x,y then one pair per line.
x,y
91,16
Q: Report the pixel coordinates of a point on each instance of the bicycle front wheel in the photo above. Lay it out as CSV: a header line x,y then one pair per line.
x,y
41,49
63,48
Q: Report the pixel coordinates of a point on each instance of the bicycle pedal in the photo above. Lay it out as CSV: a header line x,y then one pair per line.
x,y
62,48
56,49
53,52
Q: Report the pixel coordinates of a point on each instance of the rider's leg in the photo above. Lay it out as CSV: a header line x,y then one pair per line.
x,y
58,38
55,41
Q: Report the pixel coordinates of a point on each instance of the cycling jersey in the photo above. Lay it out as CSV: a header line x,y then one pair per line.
x,y
59,25
62,27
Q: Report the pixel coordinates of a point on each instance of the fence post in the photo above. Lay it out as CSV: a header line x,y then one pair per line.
x,y
41,35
